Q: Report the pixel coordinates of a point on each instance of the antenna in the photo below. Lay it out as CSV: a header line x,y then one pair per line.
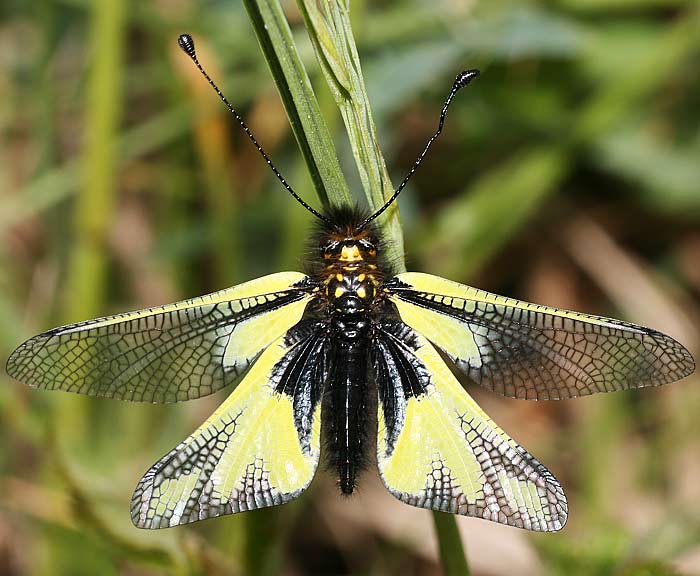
x,y
462,80
186,42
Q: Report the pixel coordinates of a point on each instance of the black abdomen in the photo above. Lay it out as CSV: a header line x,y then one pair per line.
x,y
346,397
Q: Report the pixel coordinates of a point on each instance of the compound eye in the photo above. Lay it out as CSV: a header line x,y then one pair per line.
x,y
367,245
330,249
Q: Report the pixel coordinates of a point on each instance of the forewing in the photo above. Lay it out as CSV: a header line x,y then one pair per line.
x,y
260,448
530,351
166,354
437,449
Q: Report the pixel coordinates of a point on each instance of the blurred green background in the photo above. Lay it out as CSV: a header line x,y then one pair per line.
x,y
569,175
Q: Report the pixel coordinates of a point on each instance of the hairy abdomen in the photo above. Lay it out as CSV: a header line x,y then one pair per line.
x,y
346,406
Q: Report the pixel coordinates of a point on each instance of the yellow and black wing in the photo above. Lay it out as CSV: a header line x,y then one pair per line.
x,y
437,449
166,354
260,448
530,351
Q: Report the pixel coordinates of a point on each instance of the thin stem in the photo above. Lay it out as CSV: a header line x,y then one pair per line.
x,y
329,27
452,553
309,127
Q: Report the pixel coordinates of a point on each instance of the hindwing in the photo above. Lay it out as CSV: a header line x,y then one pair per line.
x,y
260,448
530,351
166,354
437,449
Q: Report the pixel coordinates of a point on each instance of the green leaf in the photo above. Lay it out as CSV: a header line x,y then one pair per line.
x,y
329,28
665,173
471,228
310,130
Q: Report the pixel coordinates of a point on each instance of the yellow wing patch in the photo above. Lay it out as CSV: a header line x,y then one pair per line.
x,y
446,454
166,354
445,331
531,351
446,291
249,454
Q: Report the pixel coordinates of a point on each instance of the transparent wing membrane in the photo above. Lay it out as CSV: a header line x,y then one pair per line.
x,y
166,354
530,351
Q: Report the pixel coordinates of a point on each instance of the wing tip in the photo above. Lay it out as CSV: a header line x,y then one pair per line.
x,y
22,365
137,518
560,512
688,364
14,363
554,501
557,524
677,362
11,364
139,500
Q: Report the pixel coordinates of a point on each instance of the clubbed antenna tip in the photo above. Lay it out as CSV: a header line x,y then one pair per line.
x,y
464,78
186,42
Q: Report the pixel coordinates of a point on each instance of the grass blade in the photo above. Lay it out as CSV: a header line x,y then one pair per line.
x,y
452,553
310,130
330,30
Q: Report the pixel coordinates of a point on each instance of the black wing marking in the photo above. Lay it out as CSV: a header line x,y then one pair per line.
x,y
437,449
529,351
260,448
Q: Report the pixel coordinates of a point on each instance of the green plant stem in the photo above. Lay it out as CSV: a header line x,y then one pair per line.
x,y
310,130
88,264
330,30
93,209
452,553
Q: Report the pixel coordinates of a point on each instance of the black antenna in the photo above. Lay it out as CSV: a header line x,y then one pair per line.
x,y
462,80
186,42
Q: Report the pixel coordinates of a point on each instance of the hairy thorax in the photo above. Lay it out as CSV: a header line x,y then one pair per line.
x,y
351,278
